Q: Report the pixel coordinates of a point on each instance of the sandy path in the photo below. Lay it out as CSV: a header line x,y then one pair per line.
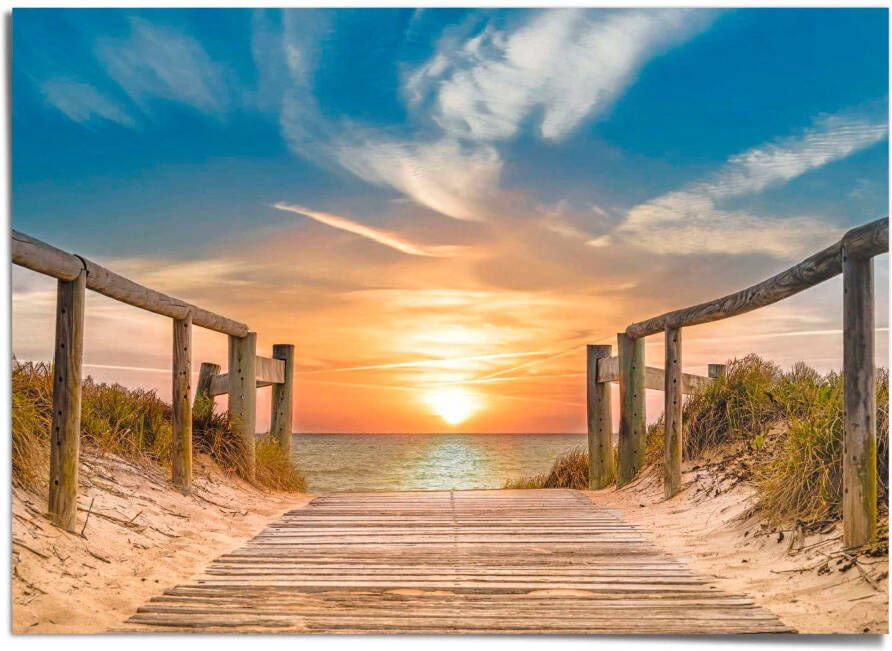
x,y
141,538
803,580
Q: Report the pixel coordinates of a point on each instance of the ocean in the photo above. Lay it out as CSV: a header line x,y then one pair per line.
x,y
391,462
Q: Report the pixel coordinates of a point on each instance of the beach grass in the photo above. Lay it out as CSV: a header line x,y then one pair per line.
x,y
133,423
790,425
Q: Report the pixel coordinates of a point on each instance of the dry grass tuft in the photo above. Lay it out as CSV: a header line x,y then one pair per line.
x,y
133,423
791,424
568,471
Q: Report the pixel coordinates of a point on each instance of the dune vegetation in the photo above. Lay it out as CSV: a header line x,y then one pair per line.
x,y
786,431
131,423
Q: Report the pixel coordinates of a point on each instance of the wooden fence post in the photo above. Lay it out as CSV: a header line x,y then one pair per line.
x,y
205,375
672,444
716,371
859,506
632,430
181,445
243,394
600,425
66,423
281,404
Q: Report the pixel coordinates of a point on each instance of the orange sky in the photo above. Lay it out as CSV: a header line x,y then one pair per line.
x,y
489,341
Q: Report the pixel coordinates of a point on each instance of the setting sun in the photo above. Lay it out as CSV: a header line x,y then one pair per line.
x,y
453,404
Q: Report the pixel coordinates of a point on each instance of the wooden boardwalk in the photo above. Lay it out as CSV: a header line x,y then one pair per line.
x,y
530,561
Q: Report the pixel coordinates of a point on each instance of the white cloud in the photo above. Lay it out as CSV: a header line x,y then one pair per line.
x,y
159,63
568,64
830,138
82,103
692,220
443,175
378,235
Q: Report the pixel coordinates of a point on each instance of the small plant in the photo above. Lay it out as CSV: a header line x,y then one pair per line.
x,y
568,471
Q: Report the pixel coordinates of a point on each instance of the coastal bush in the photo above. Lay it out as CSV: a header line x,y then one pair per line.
x,y
791,423
133,423
568,471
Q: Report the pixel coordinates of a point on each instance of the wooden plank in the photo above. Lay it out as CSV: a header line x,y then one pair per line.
x,y
206,375
862,242
672,408
181,406
601,472
859,390
38,256
632,428
546,568
282,398
243,395
267,371
654,378
66,421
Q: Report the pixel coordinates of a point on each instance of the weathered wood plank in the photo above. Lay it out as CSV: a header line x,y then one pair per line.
x,y
206,375
862,242
672,408
33,254
282,398
267,372
654,378
181,406
66,422
601,472
859,391
242,391
632,428
520,579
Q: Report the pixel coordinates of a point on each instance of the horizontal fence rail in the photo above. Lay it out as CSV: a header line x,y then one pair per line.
x,y
852,256
43,258
247,371
862,242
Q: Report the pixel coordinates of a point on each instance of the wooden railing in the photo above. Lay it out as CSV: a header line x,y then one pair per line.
x,y
853,257
246,371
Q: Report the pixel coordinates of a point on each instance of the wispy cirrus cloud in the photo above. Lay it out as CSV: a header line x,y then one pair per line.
x,y
157,62
692,219
567,64
82,103
378,235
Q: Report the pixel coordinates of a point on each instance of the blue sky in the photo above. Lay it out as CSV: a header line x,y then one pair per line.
x,y
630,161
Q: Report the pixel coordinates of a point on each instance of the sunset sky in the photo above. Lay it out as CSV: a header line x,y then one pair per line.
x,y
440,208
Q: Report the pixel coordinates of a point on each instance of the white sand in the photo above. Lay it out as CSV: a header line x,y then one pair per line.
x,y
784,576
63,583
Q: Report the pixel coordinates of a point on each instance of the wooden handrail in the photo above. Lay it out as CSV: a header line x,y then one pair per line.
x,y
41,257
862,242
852,256
76,274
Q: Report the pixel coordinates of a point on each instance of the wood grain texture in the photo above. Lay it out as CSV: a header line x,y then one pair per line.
x,y
859,395
243,394
206,375
66,421
632,428
282,397
654,378
600,424
862,242
672,408
36,255
716,370
181,406
267,372
537,561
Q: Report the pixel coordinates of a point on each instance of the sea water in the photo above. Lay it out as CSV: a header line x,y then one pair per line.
x,y
391,462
